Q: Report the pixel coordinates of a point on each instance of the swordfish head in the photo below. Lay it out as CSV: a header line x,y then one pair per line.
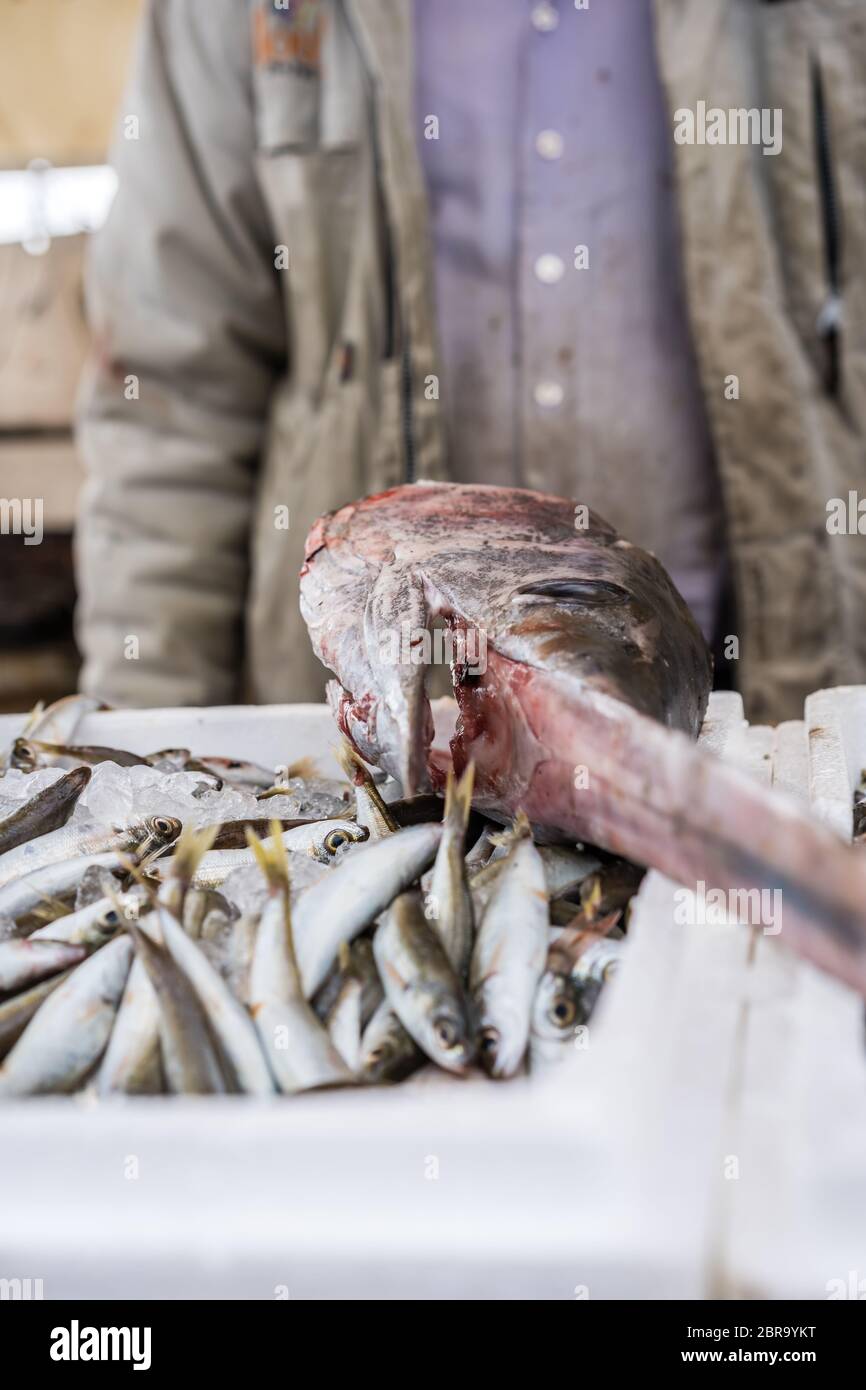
x,y
579,698
543,602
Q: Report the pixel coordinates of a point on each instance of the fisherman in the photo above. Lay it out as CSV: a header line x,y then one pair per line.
x,y
362,241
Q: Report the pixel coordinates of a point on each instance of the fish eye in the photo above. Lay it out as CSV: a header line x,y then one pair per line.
x,y
585,591
110,918
563,1012
162,825
446,1031
335,840
489,1039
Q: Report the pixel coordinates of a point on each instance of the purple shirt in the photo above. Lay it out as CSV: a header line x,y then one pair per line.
x,y
553,133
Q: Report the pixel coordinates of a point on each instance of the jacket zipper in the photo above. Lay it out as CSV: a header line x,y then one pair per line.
x,y
395,317
829,321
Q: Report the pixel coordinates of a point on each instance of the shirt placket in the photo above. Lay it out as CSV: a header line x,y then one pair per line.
x,y
546,288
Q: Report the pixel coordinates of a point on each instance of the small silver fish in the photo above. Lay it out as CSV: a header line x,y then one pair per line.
x,y
28,754
509,956
22,963
344,1017
47,810
421,985
67,1035
388,1053
75,840
91,925
190,1060
322,840
132,1064
230,1023
16,1013
22,896
233,770
449,901
352,895
299,1051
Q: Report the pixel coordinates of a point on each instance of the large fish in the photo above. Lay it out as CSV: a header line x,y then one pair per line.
x,y
581,681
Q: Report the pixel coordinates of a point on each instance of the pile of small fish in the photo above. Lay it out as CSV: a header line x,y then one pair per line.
x,y
275,952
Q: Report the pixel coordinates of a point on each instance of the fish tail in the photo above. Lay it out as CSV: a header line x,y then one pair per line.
x,y
271,856
352,765
35,714
520,829
191,846
51,909
273,860
358,774
458,799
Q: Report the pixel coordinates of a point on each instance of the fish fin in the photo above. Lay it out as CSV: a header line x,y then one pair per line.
x,y
145,947
277,790
138,870
591,902
50,909
189,849
305,768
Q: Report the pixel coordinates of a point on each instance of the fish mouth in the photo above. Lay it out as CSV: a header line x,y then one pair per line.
x,y
377,1062
451,1046
489,1040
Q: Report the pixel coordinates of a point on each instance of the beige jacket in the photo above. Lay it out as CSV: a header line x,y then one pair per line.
x,y
229,396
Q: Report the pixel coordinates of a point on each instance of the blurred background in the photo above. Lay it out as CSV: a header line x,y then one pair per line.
x,y
62,70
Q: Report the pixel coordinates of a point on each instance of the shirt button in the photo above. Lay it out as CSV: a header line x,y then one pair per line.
x,y
549,144
544,17
548,394
549,269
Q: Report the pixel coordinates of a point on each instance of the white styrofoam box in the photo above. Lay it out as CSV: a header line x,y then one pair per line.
x,y
836,723
435,1188
609,1180
266,734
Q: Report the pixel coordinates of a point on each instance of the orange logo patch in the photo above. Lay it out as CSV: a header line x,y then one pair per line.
x,y
288,36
